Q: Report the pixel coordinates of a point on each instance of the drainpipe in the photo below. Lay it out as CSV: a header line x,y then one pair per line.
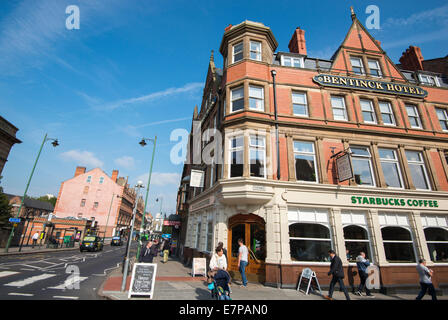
x,y
274,73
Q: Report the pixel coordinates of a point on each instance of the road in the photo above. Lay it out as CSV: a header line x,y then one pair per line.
x,y
53,275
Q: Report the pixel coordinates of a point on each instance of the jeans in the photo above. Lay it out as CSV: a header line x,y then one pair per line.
x,y
363,277
427,287
243,265
339,280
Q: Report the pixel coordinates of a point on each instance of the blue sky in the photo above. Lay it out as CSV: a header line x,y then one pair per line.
x,y
136,68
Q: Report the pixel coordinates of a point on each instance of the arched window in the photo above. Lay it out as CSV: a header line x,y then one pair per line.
x,y
309,242
437,239
398,245
356,241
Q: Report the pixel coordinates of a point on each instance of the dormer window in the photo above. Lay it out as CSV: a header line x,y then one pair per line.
x,y
292,62
238,52
429,80
375,69
357,65
255,50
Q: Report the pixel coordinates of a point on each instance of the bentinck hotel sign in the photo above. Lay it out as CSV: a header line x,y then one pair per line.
x,y
370,85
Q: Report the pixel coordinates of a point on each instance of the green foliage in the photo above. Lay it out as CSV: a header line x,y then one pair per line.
x,y
5,210
52,200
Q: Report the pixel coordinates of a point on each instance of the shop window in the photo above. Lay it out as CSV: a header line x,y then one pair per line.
x,y
387,113
418,170
309,242
237,99
391,168
255,50
437,240
257,152
256,98
398,245
357,65
299,104
375,69
238,52
362,166
339,109
236,156
414,117
443,118
356,241
305,161
368,112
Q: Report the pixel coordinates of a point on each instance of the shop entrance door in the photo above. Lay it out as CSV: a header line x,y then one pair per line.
x,y
251,229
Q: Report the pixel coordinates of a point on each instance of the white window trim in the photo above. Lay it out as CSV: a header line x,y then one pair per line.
x,y
231,99
445,112
375,120
363,69
233,51
378,66
306,104
306,154
370,165
258,148
425,172
301,62
420,126
435,78
369,239
400,241
396,161
345,108
394,123
234,149
257,52
262,98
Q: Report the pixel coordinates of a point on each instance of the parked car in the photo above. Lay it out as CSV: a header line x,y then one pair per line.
x,y
116,241
91,243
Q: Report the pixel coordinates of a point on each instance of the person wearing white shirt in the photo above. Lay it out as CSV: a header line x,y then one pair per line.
x,y
218,260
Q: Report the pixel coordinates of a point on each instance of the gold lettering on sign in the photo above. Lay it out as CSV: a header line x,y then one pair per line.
x,y
371,84
327,79
390,87
334,80
405,89
398,88
379,86
352,83
343,81
412,90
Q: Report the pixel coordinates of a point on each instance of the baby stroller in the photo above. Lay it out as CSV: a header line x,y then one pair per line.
x,y
219,285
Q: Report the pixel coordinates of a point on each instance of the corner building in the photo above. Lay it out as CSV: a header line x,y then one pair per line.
x,y
391,121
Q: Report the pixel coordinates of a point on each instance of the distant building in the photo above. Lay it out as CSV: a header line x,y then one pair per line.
x,y
7,140
92,194
31,207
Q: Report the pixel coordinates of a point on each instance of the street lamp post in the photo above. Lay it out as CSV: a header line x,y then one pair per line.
x,y
128,246
142,226
55,143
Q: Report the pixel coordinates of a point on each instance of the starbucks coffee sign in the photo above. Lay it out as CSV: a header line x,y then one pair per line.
x,y
394,202
370,85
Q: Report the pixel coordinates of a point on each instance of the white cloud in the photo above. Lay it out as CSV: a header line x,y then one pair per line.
x,y
436,15
189,87
83,158
161,178
125,162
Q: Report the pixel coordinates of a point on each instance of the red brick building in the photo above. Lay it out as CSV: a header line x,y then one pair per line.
x,y
389,123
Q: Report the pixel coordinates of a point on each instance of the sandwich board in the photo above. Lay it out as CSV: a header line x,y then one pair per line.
x,y
143,280
199,267
307,277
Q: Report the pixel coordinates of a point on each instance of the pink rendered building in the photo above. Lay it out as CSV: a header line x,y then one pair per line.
x,y
93,194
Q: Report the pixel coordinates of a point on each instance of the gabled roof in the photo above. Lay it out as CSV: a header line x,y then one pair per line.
x,y
33,203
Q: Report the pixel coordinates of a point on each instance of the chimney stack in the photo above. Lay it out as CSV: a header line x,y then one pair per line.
x,y
79,171
297,44
412,59
114,175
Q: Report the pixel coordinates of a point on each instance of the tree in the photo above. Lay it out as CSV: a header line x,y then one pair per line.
x,y
51,200
5,210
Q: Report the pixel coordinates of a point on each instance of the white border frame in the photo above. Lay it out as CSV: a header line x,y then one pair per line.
x,y
153,283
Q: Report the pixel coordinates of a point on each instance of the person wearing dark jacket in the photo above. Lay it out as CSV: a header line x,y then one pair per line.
x,y
337,271
148,253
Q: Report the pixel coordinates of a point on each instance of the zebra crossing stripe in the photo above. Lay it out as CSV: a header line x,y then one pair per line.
x,y
72,281
7,273
30,280
20,294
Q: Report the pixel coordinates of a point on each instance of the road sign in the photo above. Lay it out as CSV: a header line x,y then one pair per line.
x,y
14,220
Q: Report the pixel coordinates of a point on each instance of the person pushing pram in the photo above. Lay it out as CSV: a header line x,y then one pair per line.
x,y
219,284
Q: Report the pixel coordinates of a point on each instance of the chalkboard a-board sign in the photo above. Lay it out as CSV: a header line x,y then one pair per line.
x,y
199,267
143,279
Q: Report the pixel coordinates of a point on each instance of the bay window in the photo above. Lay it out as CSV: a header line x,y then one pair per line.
x,y
255,50
257,152
237,99
236,150
238,52
256,98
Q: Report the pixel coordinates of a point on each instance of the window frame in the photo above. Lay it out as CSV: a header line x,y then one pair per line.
x,y
377,62
293,60
235,53
344,107
420,163
417,116
232,100
445,113
368,240
392,115
257,148
262,108
258,53
435,242
412,241
362,67
371,104
395,161
316,172
326,225
235,149
435,80
306,115
370,161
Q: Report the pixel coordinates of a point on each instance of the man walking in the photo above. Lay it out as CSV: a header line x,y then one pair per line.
x,y
148,253
337,271
35,237
362,263
243,261
425,275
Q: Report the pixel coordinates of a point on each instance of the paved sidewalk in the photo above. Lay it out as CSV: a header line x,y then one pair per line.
x,y
29,250
174,282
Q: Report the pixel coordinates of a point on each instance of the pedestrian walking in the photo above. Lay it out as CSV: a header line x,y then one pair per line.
x,y
35,237
166,250
243,261
362,263
148,253
337,271
425,275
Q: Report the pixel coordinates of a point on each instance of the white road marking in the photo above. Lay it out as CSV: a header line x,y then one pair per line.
x,y
25,269
20,294
7,273
27,281
69,282
66,297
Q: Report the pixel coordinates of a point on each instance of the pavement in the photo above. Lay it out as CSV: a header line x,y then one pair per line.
x,y
174,282
58,275
36,249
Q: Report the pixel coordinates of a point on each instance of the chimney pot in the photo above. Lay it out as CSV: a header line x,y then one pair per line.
x,y
79,171
114,175
297,44
412,59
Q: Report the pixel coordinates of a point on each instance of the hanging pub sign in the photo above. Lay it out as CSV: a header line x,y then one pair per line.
x,y
197,179
344,167
370,85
